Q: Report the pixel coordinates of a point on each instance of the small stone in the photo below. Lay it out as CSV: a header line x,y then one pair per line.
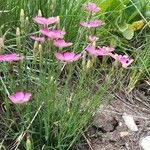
x,y
123,134
130,123
145,143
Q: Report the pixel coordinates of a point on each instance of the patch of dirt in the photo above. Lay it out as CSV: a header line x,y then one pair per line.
x,y
109,131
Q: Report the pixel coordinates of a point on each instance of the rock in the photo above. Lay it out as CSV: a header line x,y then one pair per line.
x,y
123,134
145,143
130,123
104,122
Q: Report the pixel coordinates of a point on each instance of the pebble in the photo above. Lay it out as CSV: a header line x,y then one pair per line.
x,y
130,123
145,143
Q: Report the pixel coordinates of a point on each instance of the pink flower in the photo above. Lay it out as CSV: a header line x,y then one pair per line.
x,y
105,50
9,57
91,7
20,97
39,39
123,59
61,43
92,24
46,21
99,51
53,34
92,38
67,57
92,51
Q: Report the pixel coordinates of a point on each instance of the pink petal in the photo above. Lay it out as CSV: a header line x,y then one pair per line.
x,y
59,56
92,24
127,63
40,39
91,7
9,57
54,34
61,43
46,21
76,57
20,97
27,97
108,49
68,56
45,31
13,99
92,51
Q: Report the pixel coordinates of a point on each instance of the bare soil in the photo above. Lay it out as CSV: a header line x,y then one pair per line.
x,y
109,131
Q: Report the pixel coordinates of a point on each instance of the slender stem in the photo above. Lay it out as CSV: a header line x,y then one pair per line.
x,y
4,85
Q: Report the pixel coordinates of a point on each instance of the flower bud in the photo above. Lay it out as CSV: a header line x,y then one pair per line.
x,y
89,64
1,44
28,144
39,13
22,21
18,39
40,50
22,15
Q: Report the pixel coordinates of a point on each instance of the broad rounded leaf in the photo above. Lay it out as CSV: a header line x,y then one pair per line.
x,y
128,34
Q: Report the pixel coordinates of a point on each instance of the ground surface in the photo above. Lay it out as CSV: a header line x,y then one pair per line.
x,y
109,131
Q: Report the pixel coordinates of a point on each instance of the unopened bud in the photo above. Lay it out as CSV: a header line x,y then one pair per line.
x,y
58,19
28,144
89,64
1,44
22,21
27,20
39,13
40,50
22,15
18,39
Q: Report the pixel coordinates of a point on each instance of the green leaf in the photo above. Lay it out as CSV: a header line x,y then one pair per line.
x,y
123,27
113,5
128,34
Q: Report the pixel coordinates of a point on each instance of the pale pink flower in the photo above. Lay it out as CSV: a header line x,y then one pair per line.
x,y
92,51
20,97
91,7
92,24
123,59
99,51
46,21
105,50
92,38
53,34
67,57
9,57
39,39
61,43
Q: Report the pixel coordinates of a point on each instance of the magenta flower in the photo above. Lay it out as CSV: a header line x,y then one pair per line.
x,y
91,7
20,97
53,34
9,57
92,24
67,57
39,39
46,21
61,43
123,59
92,38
